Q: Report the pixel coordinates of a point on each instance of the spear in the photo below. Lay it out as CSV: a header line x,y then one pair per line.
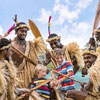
x,y
97,19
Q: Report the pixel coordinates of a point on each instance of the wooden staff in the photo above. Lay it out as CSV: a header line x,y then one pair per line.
x,y
97,18
68,56
68,77
24,55
37,34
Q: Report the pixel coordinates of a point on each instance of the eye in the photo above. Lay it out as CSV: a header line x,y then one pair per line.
x,y
55,43
51,44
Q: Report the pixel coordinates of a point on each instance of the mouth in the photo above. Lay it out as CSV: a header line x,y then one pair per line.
x,y
23,36
60,63
87,64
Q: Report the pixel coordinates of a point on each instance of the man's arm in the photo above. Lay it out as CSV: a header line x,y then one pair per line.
x,y
88,86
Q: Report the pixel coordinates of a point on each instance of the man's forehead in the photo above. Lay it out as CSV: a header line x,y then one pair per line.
x,y
53,41
87,55
24,28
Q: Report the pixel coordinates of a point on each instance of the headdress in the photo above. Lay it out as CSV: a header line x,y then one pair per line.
x,y
52,36
21,25
90,51
10,29
16,26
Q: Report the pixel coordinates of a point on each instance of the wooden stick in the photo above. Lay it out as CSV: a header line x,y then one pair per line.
x,y
97,18
24,55
68,77
68,56
36,87
53,62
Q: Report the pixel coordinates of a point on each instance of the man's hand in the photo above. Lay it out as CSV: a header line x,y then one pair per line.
x,y
83,83
76,95
48,55
92,42
84,72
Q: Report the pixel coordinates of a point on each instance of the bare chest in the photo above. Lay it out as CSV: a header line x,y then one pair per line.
x,y
17,57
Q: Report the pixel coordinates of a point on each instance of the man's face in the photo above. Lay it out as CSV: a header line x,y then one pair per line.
x,y
21,33
55,44
97,36
59,59
89,60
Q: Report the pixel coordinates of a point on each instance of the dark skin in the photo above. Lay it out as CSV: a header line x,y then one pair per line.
x,y
20,44
76,95
57,44
97,36
89,59
4,55
81,95
74,62
92,43
92,40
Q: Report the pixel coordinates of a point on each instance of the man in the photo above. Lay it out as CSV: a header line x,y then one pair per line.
x,y
90,57
72,51
30,49
95,43
8,79
97,37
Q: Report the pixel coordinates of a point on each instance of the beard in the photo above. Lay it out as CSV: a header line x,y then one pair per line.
x,y
20,41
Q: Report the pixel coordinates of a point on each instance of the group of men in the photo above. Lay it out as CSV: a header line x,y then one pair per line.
x,y
17,71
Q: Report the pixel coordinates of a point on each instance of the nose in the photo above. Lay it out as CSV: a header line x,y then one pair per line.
x,y
24,32
59,59
53,46
85,60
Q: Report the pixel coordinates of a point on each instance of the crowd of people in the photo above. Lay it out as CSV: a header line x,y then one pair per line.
x,y
22,72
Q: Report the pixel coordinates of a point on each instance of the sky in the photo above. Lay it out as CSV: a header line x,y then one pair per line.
x,y
71,19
